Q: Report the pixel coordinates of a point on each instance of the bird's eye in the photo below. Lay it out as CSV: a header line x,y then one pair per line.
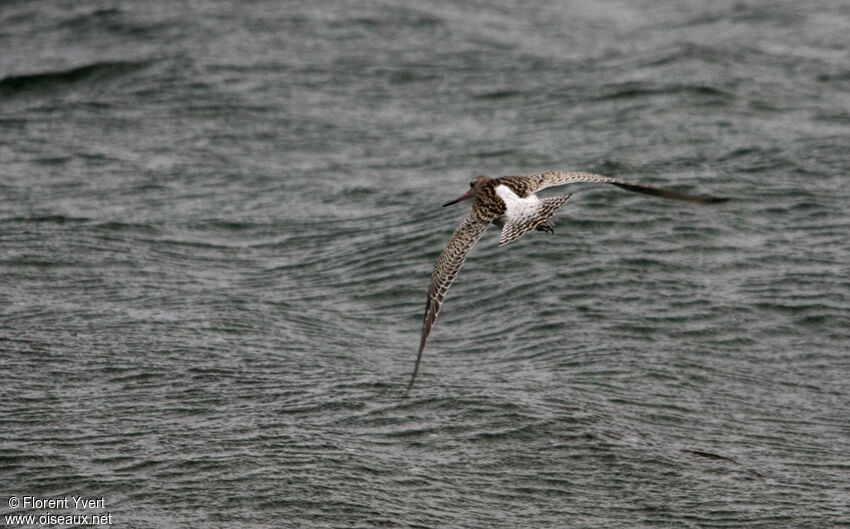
x,y
471,184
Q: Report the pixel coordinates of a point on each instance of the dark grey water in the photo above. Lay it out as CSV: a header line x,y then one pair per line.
x,y
218,221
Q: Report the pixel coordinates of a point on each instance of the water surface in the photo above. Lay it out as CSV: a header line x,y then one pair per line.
x,y
218,222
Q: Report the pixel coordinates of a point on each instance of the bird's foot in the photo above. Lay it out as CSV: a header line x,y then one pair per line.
x,y
547,226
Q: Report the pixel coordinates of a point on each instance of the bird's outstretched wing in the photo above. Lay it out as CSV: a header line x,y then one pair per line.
x,y
446,270
530,184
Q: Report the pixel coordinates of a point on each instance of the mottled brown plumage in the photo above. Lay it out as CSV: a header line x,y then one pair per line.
x,y
510,201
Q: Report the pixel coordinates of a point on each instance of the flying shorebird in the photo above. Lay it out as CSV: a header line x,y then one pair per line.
x,y
510,202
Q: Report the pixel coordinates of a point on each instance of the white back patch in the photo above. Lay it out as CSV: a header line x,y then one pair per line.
x,y
516,207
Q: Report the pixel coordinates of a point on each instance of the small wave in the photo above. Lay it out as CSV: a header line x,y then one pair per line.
x,y
53,80
51,219
97,16
498,94
632,90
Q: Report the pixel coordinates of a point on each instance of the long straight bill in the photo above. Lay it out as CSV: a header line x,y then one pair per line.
x,y
464,196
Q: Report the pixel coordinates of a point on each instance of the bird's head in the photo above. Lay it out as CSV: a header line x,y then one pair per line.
x,y
474,187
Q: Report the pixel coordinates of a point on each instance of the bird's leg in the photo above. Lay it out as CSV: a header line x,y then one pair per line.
x,y
547,226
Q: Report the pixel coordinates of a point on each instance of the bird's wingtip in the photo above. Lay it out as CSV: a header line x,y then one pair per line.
x,y
416,367
409,386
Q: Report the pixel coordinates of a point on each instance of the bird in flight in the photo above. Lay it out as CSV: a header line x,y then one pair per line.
x,y
510,202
